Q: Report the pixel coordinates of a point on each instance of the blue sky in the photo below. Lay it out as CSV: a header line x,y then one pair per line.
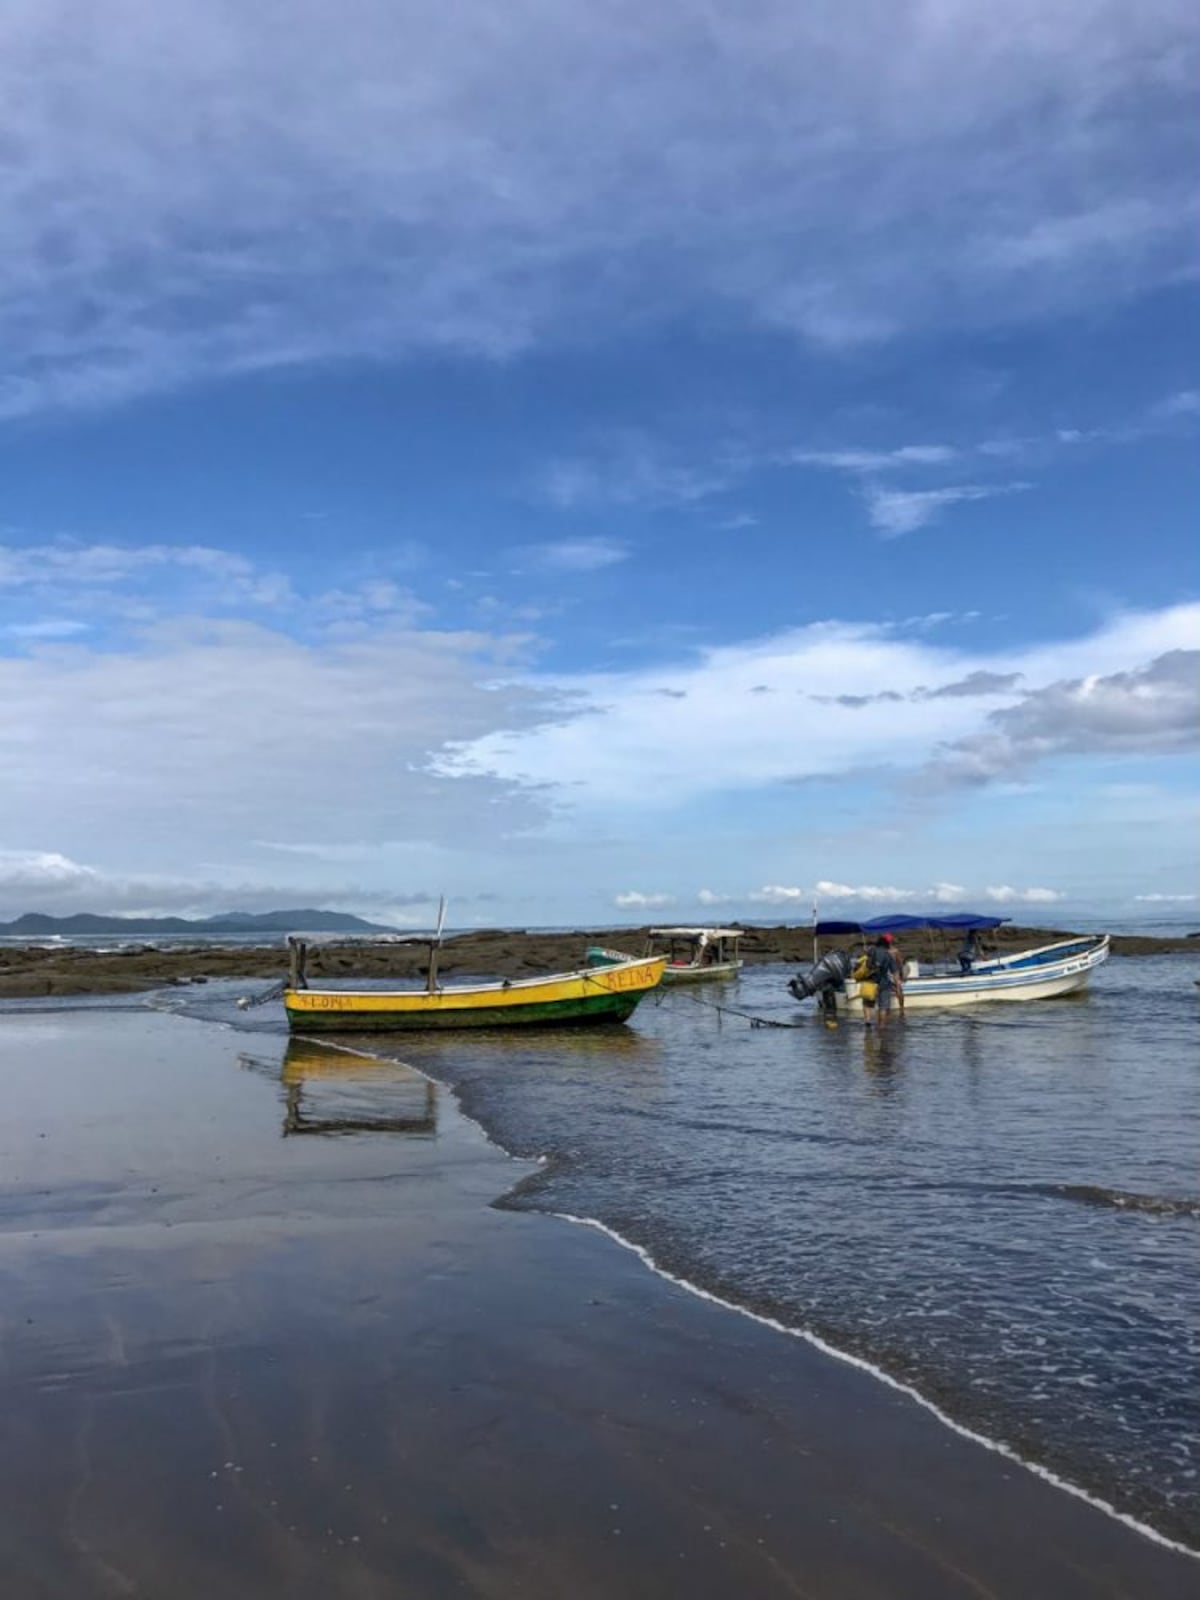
x,y
597,464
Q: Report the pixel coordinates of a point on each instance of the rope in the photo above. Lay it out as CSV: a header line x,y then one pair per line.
x,y
248,1001
751,1017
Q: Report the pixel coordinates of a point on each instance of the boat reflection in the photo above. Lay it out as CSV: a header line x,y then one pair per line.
x,y
330,1092
558,1049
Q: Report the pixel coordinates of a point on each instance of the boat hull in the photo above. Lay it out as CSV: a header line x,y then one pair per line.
x,y
698,974
603,995
1021,978
675,971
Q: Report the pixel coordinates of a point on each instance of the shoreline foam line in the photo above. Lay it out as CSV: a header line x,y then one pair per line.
x,y
997,1446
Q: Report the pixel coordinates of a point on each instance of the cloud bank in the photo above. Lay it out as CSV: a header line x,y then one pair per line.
x,y
946,717
229,194
1146,711
329,741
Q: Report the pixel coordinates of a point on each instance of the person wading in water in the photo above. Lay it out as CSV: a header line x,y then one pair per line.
x,y
888,975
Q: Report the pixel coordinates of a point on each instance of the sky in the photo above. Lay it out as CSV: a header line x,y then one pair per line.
x,y
599,462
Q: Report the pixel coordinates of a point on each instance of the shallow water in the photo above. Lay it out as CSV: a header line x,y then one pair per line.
x,y
1002,1208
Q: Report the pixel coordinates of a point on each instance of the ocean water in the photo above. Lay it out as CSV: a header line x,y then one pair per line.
x,y
1171,926
1000,1208
133,941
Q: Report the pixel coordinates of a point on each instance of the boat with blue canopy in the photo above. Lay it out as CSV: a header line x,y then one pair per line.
x,y
1040,973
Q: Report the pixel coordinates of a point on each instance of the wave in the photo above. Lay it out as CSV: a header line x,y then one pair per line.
x,y
880,1374
1093,1194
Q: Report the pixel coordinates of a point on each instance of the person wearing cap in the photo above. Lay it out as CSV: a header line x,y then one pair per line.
x,y
889,975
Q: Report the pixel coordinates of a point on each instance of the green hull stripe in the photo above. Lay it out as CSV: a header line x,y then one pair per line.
x,y
587,1009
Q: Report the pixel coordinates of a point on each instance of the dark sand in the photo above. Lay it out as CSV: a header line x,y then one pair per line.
x,y
243,1365
29,970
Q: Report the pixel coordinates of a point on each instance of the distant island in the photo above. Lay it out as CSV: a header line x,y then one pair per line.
x,y
39,925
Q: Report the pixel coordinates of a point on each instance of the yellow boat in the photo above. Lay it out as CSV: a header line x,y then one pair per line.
x,y
590,995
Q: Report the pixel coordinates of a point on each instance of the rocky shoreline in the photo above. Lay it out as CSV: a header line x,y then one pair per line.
x,y
30,971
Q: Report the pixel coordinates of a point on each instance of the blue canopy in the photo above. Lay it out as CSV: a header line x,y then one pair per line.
x,y
959,920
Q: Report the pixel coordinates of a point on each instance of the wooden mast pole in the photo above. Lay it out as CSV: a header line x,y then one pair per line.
x,y
434,944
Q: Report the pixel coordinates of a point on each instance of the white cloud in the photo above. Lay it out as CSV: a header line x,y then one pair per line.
x,y
628,470
624,744
1184,404
1055,241
778,894
370,605
1004,893
1166,899
93,578
127,585
866,891
45,628
228,195
936,619
975,683
573,555
1152,708
709,897
71,563
38,872
191,740
866,462
898,511
391,753
634,900
49,882
948,893
825,890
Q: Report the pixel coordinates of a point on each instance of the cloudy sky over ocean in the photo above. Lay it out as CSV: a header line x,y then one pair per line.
x,y
598,461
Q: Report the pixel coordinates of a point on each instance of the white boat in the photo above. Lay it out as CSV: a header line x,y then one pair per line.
x,y
1040,973
693,955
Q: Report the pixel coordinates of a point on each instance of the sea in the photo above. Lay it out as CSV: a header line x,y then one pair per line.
x,y
997,1208
1169,927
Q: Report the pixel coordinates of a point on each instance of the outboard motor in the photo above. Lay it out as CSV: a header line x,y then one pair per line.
x,y
828,973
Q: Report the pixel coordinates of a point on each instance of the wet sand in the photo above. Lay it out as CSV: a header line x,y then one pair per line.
x,y
29,971
245,1355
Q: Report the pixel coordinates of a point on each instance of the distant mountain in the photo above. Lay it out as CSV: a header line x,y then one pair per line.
x,y
302,921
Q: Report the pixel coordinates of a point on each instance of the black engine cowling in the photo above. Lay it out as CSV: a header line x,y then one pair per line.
x,y
831,970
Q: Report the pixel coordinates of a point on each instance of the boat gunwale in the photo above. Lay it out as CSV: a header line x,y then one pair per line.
x,y
996,982
1086,942
492,986
694,973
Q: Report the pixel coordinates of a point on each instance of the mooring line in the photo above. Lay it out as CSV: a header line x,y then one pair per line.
x,y
753,1018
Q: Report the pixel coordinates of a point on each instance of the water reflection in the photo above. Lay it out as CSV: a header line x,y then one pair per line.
x,y
329,1092
620,1057
883,1057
